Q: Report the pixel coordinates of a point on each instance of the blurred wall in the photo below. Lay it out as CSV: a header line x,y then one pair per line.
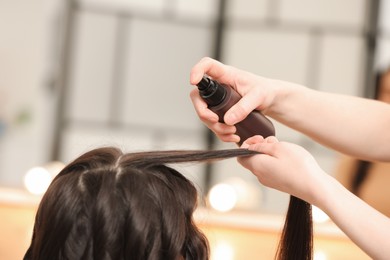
x,y
127,83
22,98
383,47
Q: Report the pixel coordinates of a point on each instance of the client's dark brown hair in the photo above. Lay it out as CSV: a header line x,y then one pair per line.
x,y
111,205
296,242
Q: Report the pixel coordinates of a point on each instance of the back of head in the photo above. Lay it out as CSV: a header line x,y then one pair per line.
x,y
108,205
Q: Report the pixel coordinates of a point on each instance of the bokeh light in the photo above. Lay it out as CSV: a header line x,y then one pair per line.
x,y
319,255
223,197
222,250
37,180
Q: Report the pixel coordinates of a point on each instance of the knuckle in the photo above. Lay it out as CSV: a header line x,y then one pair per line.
x,y
204,118
241,111
194,94
205,59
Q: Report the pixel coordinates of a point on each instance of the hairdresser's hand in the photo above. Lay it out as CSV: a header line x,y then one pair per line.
x,y
291,169
284,166
257,93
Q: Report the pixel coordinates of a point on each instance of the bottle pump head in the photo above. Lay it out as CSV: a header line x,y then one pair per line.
x,y
211,91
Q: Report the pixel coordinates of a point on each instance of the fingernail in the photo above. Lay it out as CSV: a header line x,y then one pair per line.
x,y
230,118
214,118
193,78
198,77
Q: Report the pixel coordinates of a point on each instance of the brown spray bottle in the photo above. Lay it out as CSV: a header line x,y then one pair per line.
x,y
220,98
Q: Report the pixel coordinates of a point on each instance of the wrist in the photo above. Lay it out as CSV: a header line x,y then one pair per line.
x,y
325,192
284,94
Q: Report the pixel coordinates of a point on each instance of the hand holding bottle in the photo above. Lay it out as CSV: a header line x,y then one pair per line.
x,y
220,98
256,92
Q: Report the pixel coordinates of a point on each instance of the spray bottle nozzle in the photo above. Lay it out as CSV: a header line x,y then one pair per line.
x,y
211,91
204,83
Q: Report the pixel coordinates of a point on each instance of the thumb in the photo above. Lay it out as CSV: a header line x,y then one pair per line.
x,y
252,140
269,148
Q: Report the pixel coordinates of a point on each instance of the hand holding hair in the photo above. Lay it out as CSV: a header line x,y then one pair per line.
x,y
290,168
298,218
284,166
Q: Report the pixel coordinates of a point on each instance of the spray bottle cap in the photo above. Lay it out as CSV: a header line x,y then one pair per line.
x,y
211,91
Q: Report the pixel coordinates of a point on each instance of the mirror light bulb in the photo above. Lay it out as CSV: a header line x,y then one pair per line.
x,y
223,197
319,255
37,180
222,250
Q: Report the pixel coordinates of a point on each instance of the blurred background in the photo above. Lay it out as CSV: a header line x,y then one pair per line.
x,y
78,74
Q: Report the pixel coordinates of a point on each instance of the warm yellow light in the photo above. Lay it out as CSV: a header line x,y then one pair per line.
x,y
319,255
318,215
222,250
37,180
223,197
248,193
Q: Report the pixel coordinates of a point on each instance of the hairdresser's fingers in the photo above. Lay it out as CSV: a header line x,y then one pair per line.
x,y
243,107
252,140
208,66
223,131
205,114
259,165
265,148
229,138
221,128
271,139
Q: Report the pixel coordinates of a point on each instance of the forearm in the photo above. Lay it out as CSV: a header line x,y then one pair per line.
x,y
365,226
352,125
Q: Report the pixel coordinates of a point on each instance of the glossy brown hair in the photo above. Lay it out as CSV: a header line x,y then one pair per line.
x,y
111,205
296,241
